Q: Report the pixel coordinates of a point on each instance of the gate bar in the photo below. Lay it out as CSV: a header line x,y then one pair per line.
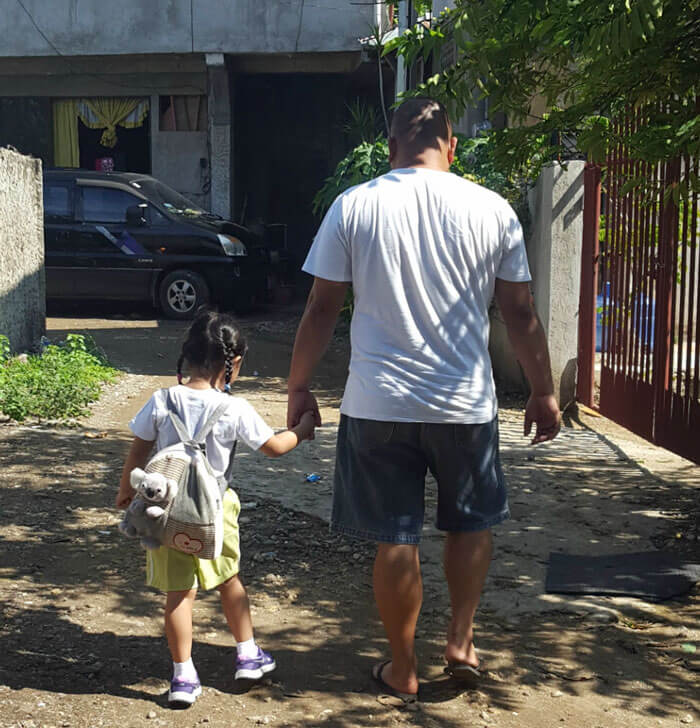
x,y
585,382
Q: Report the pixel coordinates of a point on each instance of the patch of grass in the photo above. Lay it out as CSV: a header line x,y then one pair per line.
x,y
59,383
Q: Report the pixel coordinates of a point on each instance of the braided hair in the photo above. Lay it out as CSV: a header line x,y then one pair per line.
x,y
213,341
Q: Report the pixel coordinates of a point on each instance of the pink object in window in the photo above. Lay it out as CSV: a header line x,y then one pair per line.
x,y
104,164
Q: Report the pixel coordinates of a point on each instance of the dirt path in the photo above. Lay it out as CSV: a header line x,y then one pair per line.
x,y
81,638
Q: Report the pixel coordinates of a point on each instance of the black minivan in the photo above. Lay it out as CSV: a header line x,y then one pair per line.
x,y
124,236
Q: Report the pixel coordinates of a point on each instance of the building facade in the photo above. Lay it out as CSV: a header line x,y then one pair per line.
x,y
237,104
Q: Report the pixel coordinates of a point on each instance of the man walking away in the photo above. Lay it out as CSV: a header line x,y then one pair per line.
x,y
425,252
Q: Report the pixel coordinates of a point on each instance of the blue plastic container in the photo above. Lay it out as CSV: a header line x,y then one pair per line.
x,y
599,317
640,320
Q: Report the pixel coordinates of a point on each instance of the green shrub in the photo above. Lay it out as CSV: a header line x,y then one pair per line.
x,y
475,160
59,383
361,164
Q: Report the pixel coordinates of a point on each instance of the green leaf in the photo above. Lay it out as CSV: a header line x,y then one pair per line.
x,y
630,185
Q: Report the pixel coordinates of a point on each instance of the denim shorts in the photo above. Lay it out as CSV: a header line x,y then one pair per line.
x,y
380,478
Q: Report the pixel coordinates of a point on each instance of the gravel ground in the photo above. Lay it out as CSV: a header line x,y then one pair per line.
x,y
81,637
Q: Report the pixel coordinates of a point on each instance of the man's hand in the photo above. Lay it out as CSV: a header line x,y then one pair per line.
x,y
543,410
306,425
299,402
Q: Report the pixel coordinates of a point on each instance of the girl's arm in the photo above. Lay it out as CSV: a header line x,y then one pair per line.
x,y
284,442
137,458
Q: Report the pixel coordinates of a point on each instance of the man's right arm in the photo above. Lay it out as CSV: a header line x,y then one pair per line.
x,y
312,339
529,342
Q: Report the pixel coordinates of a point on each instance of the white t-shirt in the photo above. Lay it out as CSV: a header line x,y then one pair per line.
x,y
423,249
194,406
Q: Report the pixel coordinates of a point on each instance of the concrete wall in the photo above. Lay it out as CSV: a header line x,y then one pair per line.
x,y
22,290
175,159
554,254
95,27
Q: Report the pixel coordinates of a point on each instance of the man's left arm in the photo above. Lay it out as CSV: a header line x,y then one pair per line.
x,y
312,339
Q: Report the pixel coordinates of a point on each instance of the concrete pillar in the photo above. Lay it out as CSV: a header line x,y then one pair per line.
x,y
219,106
554,252
22,286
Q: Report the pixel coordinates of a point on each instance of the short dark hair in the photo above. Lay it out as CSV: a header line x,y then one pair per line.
x,y
419,123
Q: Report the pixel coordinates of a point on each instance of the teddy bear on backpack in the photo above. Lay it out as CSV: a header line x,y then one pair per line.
x,y
144,518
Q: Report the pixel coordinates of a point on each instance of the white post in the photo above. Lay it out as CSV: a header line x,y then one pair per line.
x,y
404,8
554,252
219,105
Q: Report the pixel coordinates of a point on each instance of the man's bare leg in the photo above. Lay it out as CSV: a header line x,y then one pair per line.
x,y
467,559
398,591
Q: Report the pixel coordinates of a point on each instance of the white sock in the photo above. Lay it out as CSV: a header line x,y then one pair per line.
x,y
247,648
184,671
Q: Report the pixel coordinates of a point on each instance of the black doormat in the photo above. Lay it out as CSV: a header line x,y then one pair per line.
x,y
653,575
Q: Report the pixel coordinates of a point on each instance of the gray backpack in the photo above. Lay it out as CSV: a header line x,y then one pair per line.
x,y
193,520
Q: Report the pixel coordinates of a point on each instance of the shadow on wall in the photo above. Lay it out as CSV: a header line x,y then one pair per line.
x,y
567,384
22,307
22,289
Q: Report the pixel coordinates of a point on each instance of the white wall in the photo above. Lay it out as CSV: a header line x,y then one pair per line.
x,y
554,255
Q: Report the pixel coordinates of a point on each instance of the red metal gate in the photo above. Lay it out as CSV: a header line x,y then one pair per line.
x,y
640,299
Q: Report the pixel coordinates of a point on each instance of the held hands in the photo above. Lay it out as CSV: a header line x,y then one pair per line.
x,y
300,402
306,425
543,410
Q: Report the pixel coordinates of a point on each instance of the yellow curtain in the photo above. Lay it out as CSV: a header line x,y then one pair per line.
x,y
66,152
111,111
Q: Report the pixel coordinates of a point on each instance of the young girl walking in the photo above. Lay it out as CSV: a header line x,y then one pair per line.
x,y
213,352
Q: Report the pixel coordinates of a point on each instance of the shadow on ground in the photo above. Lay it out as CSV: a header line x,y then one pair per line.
x,y
77,620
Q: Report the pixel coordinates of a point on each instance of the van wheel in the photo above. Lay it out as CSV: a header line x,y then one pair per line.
x,y
181,293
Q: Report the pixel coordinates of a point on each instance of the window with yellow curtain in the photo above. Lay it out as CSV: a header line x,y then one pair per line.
x,y
96,113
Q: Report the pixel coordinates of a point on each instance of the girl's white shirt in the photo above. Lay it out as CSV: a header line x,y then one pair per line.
x,y
241,422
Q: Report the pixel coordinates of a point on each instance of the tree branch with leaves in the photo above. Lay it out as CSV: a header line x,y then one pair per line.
x,y
589,62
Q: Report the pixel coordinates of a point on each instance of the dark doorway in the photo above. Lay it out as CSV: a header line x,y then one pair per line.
x,y
25,124
288,137
131,153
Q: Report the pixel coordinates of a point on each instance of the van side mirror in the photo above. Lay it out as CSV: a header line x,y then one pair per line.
x,y
136,215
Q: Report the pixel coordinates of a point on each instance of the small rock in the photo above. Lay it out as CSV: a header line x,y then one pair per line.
x,y
151,714
357,555
556,693
603,617
687,718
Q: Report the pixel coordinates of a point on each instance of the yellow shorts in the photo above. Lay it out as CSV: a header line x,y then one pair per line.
x,y
171,570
